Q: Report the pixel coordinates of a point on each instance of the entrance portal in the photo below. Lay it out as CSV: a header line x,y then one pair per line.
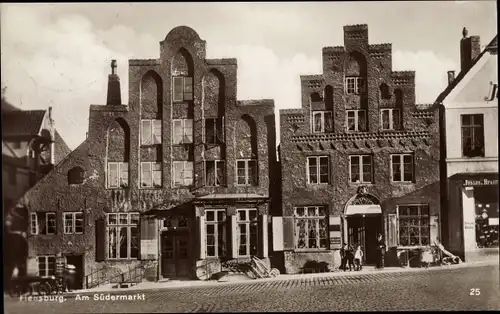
x,y
77,261
364,231
175,255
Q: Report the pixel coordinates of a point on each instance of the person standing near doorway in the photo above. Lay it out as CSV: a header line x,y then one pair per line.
x,y
380,251
343,257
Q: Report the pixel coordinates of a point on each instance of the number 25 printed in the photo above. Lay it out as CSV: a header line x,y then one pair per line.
x,y
475,291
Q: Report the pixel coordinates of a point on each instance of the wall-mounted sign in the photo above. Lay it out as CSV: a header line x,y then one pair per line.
x,y
335,241
482,182
493,93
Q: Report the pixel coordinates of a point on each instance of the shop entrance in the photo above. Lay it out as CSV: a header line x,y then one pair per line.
x,y
175,254
77,261
363,231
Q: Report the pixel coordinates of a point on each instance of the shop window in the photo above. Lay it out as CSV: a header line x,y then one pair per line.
x,y
414,225
318,170
246,172
73,223
215,174
472,135
43,223
123,235
356,120
402,169
46,265
361,169
322,121
486,203
215,224
311,227
390,119
247,232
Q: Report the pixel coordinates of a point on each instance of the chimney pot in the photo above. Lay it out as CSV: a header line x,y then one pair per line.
x,y
451,77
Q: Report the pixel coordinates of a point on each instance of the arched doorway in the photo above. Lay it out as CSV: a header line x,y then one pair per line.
x,y
362,223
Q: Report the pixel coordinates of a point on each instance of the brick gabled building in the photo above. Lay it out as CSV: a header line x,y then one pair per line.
x,y
359,158
178,177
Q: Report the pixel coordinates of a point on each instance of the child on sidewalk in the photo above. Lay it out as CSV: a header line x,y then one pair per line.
x,y
358,258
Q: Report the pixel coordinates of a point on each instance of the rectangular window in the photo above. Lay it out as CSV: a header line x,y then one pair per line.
x,y
390,119
247,232
322,121
215,224
151,174
402,168
150,132
183,173
246,172
354,85
117,174
214,131
311,227
43,223
472,135
361,168
215,173
46,265
182,88
414,225
73,223
122,233
356,120
182,131
318,170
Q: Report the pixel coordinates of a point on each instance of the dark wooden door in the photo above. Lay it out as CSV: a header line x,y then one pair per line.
x,y
176,260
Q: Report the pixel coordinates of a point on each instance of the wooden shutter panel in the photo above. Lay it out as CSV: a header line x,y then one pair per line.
x,y
100,237
434,230
288,234
202,238
263,236
232,234
392,230
149,238
277,236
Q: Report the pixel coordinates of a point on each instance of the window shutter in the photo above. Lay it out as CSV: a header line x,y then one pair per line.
x,y
149,238
263,236
288,234
277,226
392,228
335,232
202,237
100,236
434,230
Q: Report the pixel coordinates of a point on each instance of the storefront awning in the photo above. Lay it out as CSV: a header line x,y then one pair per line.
x,y
372,209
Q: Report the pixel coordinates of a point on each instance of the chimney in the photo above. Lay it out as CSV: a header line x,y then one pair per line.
x,y
451,77
114,91
470,48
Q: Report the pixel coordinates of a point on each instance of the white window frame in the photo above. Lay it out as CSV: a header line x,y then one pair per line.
x,y
48,216
184,92
184,134
398,207
356,120
34,229
71,229
360,165
322,113
310,219
248,223
216,162
151,165
247,168
392,113
215,122
183,178
122,181
118,225
47,263
215,223
318,169
401,167
359,85
153,124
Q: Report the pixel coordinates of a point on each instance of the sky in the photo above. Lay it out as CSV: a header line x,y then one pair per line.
x,y
59,54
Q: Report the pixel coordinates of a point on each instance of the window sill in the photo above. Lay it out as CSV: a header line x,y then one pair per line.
x,y
73,233
182,144
132,259
403,182
311,250
117,188
246,185
151,187
361,183
150,145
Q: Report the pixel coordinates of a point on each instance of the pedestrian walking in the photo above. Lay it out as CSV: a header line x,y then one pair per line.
x,y
343,257
380,251
358,258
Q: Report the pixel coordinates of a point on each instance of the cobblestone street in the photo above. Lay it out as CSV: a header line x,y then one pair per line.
x,y
443,289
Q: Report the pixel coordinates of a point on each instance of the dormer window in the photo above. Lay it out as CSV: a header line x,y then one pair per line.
x,y
76,176
354,85
182,88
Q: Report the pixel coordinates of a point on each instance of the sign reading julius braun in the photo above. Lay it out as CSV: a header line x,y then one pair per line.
x,y
482,182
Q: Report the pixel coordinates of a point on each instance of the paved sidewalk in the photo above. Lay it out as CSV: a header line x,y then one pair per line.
x,y
285,277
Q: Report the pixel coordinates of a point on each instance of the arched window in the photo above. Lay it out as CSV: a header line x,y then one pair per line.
x,y
76,175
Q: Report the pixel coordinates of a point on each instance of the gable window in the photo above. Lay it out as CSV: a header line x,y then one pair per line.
x,y
43,223
215,224
214,130
322,121
247,232
318,170
150,174
354,85
361,168
183,173
46,265
182,131
117,175
311,227
215,174
150,132
472,135
414,225
402,168
390,119
246,172
73,223
356,120
76,176
182,88
123,235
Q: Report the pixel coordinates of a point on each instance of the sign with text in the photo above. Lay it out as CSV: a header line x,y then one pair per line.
x,y
149,248
483,182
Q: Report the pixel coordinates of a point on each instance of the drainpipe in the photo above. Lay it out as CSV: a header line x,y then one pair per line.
x,y
159,250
